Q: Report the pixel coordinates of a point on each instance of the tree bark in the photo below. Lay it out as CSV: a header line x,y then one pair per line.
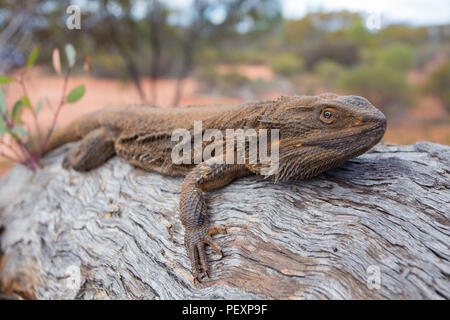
x,y
114,233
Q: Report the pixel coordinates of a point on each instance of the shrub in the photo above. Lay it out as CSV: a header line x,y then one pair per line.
x,y
242,56
287,64
107,65
338,49
382,85
227,82
251,56
438,83
232,81
399,57
329,71
208,76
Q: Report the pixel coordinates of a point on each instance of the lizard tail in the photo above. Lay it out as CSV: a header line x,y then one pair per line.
x,y
60,137
74,131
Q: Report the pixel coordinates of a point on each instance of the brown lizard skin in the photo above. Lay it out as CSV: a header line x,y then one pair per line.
x,y
316,133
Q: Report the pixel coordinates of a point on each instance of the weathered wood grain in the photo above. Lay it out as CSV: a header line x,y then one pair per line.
x,y
114,232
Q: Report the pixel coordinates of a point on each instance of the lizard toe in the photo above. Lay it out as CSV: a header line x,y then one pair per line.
x,y
195,242
210,242
192,253
66,162
203,258
217,229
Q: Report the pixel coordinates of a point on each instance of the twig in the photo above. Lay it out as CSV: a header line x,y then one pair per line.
x,y
34,161
58,109
4,155
25,92
10,147
32,141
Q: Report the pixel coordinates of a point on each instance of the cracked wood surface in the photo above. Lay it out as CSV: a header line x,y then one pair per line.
x,y
114,232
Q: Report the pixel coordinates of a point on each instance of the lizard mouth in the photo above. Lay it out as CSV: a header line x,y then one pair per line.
x,y
340,148
363,134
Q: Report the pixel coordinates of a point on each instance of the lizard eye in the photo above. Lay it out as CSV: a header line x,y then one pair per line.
x,y
327,116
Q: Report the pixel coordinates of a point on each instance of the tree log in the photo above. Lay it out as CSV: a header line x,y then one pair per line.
x,y
376,228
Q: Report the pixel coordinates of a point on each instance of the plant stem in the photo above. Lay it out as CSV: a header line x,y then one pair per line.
x,y
58,109
10,147
4,155
27,153
25,92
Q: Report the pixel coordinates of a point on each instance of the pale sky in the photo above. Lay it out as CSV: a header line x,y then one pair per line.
x,y
415,12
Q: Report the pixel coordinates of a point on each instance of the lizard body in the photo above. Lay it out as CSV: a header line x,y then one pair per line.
x,y
316,133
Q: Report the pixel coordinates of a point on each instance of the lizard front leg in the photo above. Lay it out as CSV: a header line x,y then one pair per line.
x,y
193,210
93,150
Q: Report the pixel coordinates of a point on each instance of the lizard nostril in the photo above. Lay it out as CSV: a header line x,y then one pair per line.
x,y
377,118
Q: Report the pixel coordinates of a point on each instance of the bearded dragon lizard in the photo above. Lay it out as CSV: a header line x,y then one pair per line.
x,y
316,133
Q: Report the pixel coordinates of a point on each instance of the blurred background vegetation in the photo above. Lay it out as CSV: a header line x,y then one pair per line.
x,y
232,50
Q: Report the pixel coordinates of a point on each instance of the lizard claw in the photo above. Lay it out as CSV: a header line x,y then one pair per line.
x,y
66,162
195,241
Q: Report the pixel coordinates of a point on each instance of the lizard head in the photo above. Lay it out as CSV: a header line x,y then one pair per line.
x,y
317,133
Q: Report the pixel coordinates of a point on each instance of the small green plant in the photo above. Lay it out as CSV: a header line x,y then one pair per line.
x,y
16,142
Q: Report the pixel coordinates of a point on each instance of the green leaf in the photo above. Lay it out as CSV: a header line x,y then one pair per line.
x,y
38,108
70,54
19,130
32,58
5,80
2,102
2,127
76,94
26,102
17,112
